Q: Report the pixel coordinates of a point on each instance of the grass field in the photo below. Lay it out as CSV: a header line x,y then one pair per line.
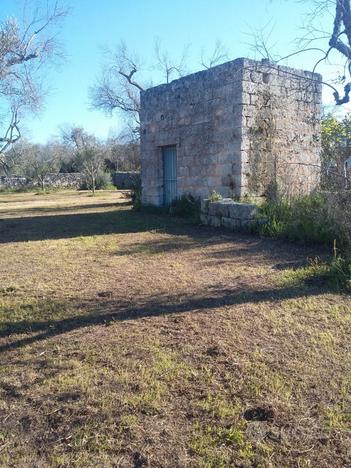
x,y
131,340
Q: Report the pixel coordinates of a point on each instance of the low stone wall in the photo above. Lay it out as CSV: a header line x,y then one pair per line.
x,y
14,182
61,180
229,214
126,180
64,180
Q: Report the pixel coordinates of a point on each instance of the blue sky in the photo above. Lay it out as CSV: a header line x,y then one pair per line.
x,y
95,24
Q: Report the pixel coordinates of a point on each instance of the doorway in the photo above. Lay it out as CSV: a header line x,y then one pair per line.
x,y
169,156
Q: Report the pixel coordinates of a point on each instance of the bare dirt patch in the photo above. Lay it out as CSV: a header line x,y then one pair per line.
x,y
130,339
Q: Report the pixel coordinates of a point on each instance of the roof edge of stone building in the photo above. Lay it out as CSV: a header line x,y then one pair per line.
x,y
244,62
300,72
238,61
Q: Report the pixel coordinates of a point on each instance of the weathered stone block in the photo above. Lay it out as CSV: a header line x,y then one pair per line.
x,y
221,207
204,205
232,224
214,221
212,208
204,218
248,224
243,210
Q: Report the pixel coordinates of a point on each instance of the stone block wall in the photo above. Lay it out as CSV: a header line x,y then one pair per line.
x,y
240,128
196,114
71,180
280,147
229,214
13,182
61,180
126,180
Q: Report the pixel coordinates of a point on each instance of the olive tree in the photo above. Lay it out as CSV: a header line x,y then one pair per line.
x,y
26,49
88,153
39,161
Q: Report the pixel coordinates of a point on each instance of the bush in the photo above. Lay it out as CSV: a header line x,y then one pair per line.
x,y
339,275
136,194
310,220
103,181
186,206
305,220
215,196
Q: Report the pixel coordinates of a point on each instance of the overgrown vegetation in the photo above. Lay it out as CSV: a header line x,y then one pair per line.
x,y
186,206
311,220
136,193
336,142
304,219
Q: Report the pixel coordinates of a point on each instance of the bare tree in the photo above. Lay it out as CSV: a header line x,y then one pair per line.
x,y
337,40
91,161
120,85
340,40
218,55
124,77
168,67
11,136
24,50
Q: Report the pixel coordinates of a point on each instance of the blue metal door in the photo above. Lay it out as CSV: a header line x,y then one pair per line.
x,y
169,154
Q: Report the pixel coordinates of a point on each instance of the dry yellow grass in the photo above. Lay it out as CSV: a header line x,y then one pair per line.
x,y
130,339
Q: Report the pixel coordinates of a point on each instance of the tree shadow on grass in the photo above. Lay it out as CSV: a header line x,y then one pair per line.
x,y
106,311
37,228
62,209
121,220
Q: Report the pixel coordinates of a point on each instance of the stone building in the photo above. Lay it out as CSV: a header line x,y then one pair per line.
x,y
240,128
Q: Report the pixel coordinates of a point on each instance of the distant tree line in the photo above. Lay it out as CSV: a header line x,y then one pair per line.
x,y
75,151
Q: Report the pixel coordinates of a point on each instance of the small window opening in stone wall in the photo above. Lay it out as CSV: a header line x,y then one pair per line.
x,y
266,78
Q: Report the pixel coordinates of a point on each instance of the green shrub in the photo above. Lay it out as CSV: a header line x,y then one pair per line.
x,y
186,206
335,274
136,194
215,196
305,220
339,275
309,220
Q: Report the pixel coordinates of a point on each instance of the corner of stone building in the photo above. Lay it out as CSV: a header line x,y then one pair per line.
x,y
280,147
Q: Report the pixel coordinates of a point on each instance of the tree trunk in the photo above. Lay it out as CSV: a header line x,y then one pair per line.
x,y
93,185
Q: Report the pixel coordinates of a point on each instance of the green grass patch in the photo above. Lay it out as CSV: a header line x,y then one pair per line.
x,y
335,275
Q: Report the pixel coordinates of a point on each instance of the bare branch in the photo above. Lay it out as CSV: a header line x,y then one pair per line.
x,y
12,135
168,67
218,55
